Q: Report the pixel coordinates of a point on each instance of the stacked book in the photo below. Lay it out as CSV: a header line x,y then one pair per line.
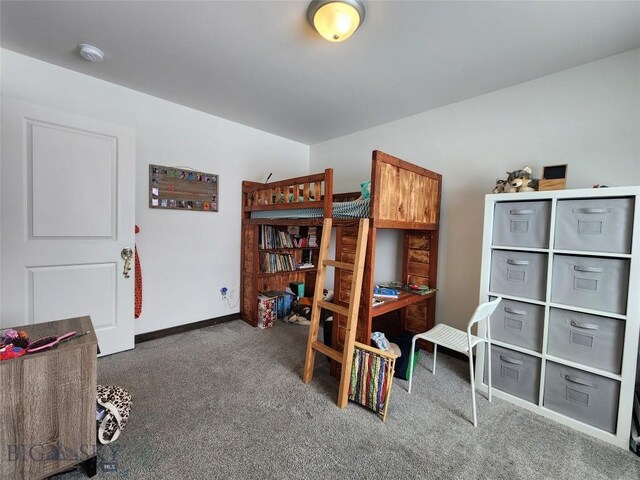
x,y
313,241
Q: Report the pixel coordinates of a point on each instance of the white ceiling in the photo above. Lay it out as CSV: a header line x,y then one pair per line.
x,y
259,63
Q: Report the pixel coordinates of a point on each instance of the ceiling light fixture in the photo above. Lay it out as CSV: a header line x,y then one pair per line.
x,y
91,53
336,20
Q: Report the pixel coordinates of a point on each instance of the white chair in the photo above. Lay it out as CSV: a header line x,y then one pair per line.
x,y
462,342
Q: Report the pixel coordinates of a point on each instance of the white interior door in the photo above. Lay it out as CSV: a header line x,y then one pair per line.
x,y
67,212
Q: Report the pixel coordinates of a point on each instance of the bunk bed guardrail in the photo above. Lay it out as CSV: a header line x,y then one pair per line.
x,y
309,191
403,195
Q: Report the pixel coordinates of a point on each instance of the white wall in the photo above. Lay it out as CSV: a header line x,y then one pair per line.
x,y
186,256
588,117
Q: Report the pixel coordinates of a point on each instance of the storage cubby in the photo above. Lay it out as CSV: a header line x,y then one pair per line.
x,y
564,340
274,254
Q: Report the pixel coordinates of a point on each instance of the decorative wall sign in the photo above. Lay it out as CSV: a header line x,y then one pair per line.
x,y
174,188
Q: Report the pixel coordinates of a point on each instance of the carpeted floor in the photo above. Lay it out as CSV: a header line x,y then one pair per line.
x,y
228,402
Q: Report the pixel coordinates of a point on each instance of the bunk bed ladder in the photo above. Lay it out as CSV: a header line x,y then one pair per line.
x,y
345,358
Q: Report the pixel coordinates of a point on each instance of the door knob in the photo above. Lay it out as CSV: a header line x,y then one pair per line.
x,y
126,255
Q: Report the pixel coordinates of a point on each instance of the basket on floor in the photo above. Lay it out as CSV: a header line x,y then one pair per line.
x,y
371,378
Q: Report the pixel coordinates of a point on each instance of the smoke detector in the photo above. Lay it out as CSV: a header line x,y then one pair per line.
x,y
91,53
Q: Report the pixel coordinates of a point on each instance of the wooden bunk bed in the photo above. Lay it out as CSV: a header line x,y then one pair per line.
x,y
403,196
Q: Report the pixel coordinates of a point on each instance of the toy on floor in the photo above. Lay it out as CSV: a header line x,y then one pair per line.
x,y
300,314
521,181
301,309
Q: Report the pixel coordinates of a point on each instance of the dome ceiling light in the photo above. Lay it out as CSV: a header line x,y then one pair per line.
x,y
336,20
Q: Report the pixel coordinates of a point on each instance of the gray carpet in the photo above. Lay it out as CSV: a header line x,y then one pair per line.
x,y
228,402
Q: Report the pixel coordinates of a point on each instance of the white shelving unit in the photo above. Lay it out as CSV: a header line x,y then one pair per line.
x,y
581,303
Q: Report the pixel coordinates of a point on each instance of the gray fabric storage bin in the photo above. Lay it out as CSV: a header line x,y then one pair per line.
x,y
518,323
522,274
522,224
597,225
587,339
515,373
587,397
590,282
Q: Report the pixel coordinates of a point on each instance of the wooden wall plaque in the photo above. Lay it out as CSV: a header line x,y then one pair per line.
x,y
173,188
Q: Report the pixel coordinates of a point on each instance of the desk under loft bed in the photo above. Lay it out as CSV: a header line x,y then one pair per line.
x,y
403,197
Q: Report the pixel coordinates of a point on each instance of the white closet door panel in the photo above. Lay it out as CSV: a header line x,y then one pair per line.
x,y
93,286
72,181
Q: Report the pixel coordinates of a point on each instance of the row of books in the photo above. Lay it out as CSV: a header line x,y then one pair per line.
x,y
271,237
282,262
277,262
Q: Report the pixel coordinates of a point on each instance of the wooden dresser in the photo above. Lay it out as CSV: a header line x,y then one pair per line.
x,y
48,404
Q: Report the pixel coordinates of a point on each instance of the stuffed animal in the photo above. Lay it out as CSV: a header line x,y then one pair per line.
x,y
500,186
521,181
300,314
365,190
301,309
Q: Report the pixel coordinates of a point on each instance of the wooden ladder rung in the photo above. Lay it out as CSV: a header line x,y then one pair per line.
x,y
340,265
328,351
332,307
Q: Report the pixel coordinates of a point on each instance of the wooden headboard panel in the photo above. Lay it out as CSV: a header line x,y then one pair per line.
x,y
404,195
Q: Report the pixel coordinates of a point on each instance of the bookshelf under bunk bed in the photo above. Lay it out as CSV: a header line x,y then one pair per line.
x,y
403,197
